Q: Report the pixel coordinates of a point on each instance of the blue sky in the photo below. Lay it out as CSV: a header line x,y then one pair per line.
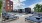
x,y
25,3
30,2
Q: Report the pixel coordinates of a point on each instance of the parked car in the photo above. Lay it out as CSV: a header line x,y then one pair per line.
x,y
35,18
26,19
13,17
32,12
4,16
9,16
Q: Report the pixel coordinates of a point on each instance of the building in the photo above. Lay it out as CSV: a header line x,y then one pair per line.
x,y
9,5
20,10
27,10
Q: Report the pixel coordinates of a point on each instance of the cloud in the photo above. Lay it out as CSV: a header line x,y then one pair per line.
x,y
17,4
40,3
22,0
19,0
33,5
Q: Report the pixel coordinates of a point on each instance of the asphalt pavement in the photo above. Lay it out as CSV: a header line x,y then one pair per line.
x,y
20,20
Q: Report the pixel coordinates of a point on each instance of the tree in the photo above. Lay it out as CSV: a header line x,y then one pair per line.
x,y
38,8
41,8
0,6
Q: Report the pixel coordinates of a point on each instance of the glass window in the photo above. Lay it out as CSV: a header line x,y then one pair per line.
x,y
8,5
11,5
8,2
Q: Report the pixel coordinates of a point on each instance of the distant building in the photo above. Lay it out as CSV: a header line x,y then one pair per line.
x,y
9,5
27,10
20,10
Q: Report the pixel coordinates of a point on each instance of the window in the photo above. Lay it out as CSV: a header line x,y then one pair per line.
x,y
11,5
8,2
8,5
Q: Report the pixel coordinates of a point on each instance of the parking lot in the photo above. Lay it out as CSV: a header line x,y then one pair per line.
x,y
20,20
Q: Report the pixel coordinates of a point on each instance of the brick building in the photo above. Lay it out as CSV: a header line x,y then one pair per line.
x,y
9,5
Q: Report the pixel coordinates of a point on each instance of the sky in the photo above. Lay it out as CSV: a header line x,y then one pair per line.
x,y
21,4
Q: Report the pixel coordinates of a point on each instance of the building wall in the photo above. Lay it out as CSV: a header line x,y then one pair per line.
x,y
9,5
27,10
